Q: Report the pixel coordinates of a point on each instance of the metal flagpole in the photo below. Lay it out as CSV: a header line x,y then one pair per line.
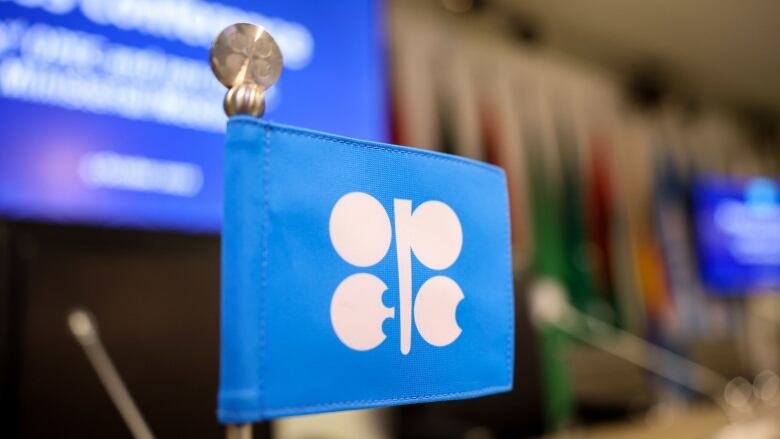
x,y
245,59
239,431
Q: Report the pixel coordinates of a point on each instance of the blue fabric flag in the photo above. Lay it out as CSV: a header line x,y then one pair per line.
x,y
358,274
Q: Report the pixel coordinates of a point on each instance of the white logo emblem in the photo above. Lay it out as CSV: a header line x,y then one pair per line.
x,y
361,232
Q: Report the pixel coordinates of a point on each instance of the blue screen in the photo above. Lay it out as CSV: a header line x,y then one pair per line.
x,y
110,113
737,224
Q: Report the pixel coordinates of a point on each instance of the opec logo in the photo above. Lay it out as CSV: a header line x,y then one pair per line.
x,y
361,233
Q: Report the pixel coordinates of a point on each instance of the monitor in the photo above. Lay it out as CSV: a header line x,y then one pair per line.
x,y
110,114
737,225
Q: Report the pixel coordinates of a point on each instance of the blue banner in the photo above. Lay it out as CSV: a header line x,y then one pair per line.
x,y
358,274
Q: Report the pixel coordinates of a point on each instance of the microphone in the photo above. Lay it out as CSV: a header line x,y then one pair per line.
x,y
84,329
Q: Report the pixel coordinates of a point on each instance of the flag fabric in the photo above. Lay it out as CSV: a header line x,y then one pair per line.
x,y
548,266
357,274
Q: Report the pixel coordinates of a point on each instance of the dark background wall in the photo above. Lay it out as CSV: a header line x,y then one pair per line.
x,y
156,301
155,297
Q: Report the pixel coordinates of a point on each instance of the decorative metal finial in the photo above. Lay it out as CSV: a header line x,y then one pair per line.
x,y
245,59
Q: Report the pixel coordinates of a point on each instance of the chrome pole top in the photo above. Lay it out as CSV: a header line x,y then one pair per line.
x,y
246,59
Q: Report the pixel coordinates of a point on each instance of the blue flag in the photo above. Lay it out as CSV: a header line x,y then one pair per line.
x,y
358,274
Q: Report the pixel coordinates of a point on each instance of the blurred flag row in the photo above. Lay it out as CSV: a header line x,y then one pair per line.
x,y
600,189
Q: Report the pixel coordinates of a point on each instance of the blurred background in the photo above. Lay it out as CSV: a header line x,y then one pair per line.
x,y
641,143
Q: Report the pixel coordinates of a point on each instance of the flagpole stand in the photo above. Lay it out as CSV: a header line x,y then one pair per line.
x,y
245,59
